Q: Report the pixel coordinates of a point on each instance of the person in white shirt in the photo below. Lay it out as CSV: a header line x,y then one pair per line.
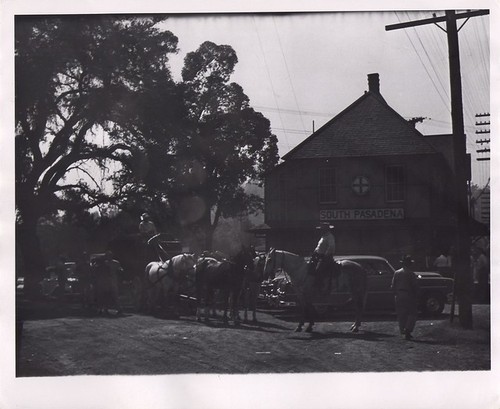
x,y
146,227
442,264
406,291
326,244
321,263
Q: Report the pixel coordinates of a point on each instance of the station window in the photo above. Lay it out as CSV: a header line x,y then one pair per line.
x,y
327,185
395,183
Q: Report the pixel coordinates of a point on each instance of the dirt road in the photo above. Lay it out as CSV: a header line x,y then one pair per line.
x,y
60,340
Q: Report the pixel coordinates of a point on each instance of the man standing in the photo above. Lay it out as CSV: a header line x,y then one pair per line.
x,y
114,269
62,278
84,274
482,268
405,287
442,264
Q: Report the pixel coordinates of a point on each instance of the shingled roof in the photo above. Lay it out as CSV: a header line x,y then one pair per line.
x,y
368,127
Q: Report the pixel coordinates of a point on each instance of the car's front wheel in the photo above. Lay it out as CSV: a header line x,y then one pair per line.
x,y
433,304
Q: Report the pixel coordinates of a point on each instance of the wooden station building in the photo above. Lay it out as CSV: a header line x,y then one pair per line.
x,y
386,188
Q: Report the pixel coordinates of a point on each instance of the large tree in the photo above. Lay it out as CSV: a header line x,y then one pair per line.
x,y
78,81
229,144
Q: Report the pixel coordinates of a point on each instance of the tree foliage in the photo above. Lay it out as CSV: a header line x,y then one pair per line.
x,y
77,81
231,143
95,96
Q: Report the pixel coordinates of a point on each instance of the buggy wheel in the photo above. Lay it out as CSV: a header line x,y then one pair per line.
x,y
138,296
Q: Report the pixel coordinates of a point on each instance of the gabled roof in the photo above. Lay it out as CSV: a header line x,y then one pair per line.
x,y
368,127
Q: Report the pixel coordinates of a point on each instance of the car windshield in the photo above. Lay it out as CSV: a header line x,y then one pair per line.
x,y
375,266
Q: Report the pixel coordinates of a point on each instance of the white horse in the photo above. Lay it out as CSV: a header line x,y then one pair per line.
x,y
165,278
297,269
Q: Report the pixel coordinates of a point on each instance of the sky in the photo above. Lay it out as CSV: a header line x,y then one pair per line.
x,y
302,69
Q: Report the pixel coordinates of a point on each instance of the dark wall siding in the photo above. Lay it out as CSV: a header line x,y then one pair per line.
x,y
426,205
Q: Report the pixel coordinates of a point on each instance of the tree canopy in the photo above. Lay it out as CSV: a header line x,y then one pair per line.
x,y
96,90
76,82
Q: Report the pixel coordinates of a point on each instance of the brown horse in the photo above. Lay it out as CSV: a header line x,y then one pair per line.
x,y
304,283
227,276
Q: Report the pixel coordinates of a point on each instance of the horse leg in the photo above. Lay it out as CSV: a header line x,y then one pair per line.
x,y
116,299
360,308
213,304
152,300
246,296
255,295
198,302
225,299
310,312
175,303
234,306
357,313
208,302
302,318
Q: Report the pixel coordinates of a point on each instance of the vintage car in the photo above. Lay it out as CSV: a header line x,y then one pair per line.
x,y
49,284
435,290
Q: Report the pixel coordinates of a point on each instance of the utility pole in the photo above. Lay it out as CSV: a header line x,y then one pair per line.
x,y
461,253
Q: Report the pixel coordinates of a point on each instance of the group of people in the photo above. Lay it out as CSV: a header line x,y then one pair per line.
x,y
481,274
480,268
98,279
404,282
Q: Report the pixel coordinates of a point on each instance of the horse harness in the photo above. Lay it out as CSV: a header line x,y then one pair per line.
x,y
273,269
169,272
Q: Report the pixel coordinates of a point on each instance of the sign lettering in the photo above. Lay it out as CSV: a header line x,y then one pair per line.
x,y
362,214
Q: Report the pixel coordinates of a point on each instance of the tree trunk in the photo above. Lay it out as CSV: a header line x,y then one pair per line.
x,y
30,252
209,232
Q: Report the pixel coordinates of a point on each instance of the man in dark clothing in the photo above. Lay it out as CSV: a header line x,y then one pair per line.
x,y
405,287
62,278
84,274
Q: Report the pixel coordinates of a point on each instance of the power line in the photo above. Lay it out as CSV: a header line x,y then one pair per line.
x,y
294,111
425,68
429,59
270,79
287,70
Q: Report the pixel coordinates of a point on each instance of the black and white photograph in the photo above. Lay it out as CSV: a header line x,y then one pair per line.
x,y
269,206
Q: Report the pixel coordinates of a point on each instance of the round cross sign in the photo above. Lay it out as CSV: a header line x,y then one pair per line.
x,y
360,185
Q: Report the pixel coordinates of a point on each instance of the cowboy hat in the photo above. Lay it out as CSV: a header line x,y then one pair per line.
x,y
324,226
407,260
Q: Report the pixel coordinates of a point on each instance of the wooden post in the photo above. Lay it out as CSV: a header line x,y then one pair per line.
x,y
461,257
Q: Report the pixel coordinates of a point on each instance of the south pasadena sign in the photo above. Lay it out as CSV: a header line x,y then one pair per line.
x,y
362,214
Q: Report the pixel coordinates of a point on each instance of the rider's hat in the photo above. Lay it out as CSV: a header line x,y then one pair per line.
x,y
407,260
324,226
144,216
